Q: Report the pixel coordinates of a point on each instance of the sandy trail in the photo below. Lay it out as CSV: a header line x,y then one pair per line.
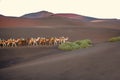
x,y
100,62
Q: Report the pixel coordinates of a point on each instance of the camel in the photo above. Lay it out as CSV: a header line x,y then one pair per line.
x,y
37,40
11,43
42,41
61,40
2,43
55,41
51,41
65,39
22,42
32,41
14,43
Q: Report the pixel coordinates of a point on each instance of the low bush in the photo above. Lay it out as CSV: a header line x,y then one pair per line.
x,y
75,45
114,39
68,46
79,42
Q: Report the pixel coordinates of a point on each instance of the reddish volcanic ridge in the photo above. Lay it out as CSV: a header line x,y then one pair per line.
x,y
43,14
75,16
40,14
45,18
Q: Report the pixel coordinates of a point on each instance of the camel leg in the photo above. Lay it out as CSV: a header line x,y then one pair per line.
x,y
4,45
14,45
36,44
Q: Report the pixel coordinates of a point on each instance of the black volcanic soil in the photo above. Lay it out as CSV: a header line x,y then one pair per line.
x,y
74,33
100,62
13,56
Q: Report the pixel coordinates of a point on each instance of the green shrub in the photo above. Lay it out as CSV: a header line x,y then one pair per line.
x,y
69,46
79,42
84,45
75,45
114,39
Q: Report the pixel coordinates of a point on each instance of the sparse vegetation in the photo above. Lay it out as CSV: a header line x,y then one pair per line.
x,y
75,45
114,39
69,46
84,43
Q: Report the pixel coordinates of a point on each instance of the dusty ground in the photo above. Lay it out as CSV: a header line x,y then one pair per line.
x,y
100,62
73,32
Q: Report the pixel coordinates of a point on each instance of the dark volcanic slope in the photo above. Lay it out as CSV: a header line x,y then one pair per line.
x,y
45,18
112,24
96,63
40,14
76,17
95,34
43,14
46,21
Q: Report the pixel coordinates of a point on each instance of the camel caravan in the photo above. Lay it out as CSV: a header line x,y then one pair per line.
x,y
32,41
